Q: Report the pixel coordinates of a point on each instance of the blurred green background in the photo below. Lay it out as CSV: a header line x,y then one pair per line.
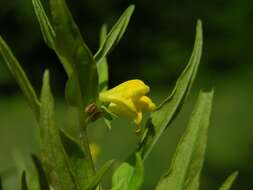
x,y
156,48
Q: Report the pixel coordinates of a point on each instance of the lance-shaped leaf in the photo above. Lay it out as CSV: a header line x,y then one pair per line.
x,y
20,76
54,158
187,161
77,159
102,65
37,177
45,25
23,181
128,177
86,84
43,183
82,86
96,179
229,181
116,33
74,55
168,110
32,181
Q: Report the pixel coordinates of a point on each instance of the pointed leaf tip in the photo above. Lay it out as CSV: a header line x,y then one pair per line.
x,y
199,23
47,30
20,77
115,34
131,7
187,162
229,181
46,76
171,106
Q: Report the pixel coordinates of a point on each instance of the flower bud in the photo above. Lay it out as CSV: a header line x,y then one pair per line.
x,y
93,112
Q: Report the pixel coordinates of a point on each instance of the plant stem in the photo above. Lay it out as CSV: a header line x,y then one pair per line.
x,y
85,144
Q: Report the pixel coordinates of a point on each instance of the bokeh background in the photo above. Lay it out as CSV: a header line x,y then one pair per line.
x,y
155,48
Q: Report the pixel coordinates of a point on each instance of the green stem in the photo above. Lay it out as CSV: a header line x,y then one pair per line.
x,y
85,144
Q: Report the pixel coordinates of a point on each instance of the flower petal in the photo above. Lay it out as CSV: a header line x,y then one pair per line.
x,y
145,104
138,119
122,110
130,89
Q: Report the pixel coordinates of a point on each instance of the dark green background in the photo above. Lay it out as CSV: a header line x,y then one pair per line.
x,y
155,48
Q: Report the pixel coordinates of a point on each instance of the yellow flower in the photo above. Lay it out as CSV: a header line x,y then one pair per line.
x,y
128,100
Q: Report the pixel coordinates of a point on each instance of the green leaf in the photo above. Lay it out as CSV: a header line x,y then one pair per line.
x,y
33,181
72,90
37,177
128,177
108,123
168,110
67,34
198,155
41,174
45,25
54,158
188,159
23,182
84,85
20,77
75,56
229,181
76,159
102,66
108,116
116,33
107,113
119,185
96,179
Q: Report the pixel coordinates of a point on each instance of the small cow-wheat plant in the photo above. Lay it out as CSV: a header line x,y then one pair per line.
x,y
66,162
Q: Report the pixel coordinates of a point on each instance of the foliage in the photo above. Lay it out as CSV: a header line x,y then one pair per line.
x,y
65,162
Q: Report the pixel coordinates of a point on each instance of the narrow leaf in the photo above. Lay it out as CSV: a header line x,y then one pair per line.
x,y
128,177
96,179
138,177
33,181
77,159
108,123
114,36
188,159
20,77
122,176
23,182
75,56
45,25
41,174
198,155
85,80
119,185
67,34
229,181
102,66
54,158
168,110
72,90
